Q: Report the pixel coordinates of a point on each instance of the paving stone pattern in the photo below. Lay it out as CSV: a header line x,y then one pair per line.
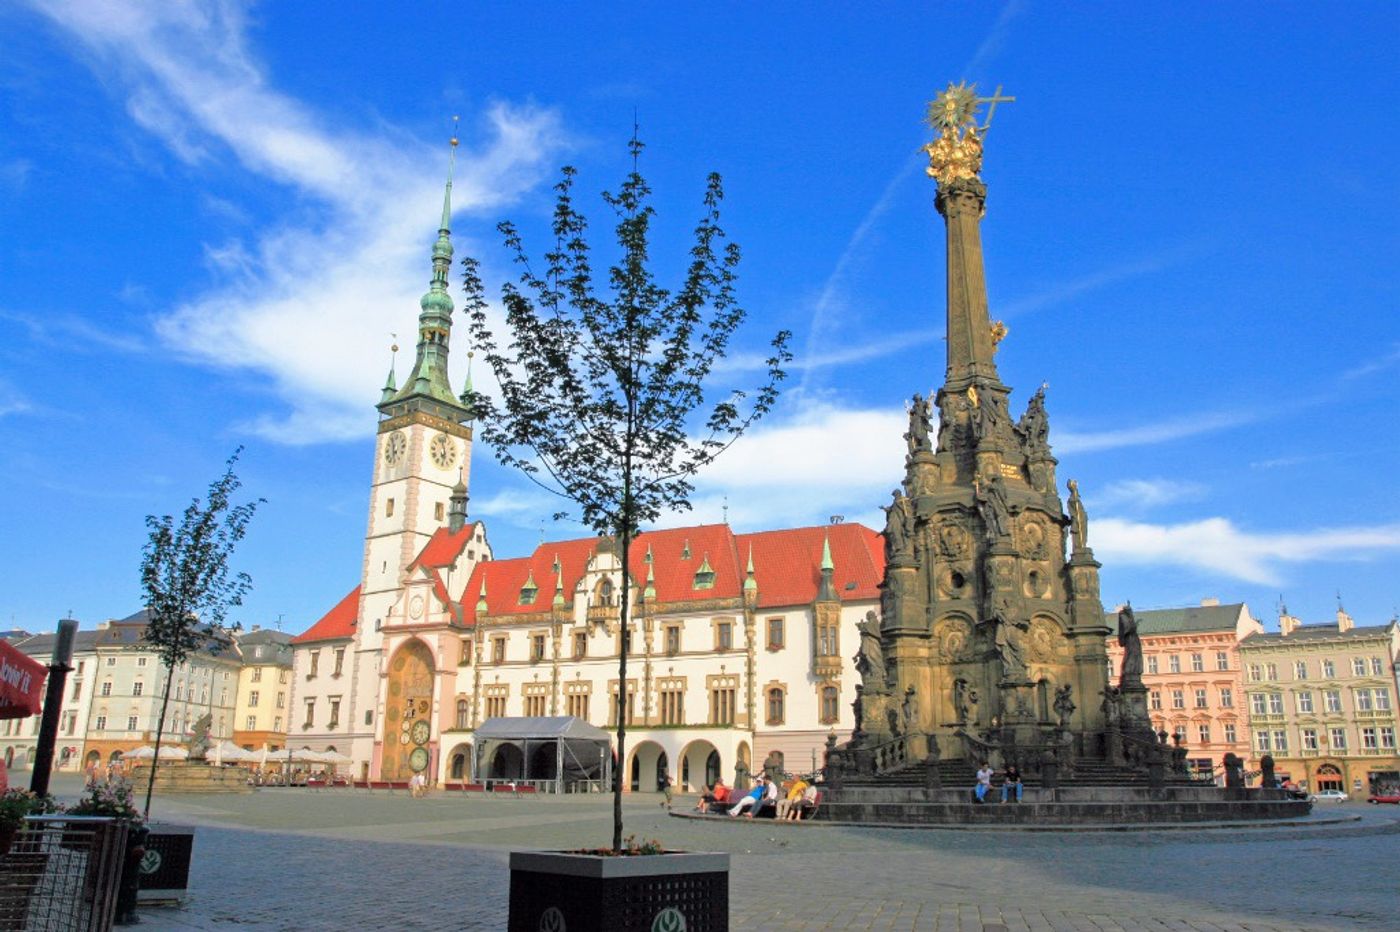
x,y
295,859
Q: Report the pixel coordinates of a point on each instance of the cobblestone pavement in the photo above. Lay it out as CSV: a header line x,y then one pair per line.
x,y
344,859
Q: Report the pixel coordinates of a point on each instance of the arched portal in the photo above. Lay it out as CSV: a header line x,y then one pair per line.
x,y
743,768
408,710
92,760
1329,777
459,762
700,766
115,757
508,763
647,758
544,762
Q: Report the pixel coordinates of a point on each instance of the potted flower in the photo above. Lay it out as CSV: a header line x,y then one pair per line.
x,y
642,887
114,800
14,806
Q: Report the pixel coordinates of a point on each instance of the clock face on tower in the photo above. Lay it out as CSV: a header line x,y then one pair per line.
x,y
420,732
443,452
395,447
418,760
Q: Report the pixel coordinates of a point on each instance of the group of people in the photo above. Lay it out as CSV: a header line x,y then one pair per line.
x,y
1011,784
787,798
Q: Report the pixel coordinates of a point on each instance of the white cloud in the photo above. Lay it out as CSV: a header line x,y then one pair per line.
x,y
311,302
1141,494
1379,364
1216,546
1069,441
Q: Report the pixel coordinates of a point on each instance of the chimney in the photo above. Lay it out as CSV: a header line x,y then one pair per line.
x,y
1287,623
1344,622
1210,602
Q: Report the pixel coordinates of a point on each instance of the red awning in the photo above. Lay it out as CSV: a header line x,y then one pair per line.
x,y
21,683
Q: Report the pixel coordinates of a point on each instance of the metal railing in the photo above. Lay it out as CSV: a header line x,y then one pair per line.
x,y
61,874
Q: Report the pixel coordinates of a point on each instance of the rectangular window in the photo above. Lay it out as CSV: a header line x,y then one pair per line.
x,y
1329,669
1332,700
580,646
535,706
1305,703
1201,702
251,723
1310,739
673,640
335,713
437,511
495,706
315,664
1377,667
101,723
1338,738
722,705
1270,672
724,636
1358,666
1388,737
1222,660
107,688
256,675
77,689
1368,739
310,714
1230,736
223,696
536,647
1198,663
1174,664
1275,703
131,723
498,650
1363,700
1258,704
339,662
111,661
1280,740
1256,672
1382,697
1178,699
281,700
831,704
1227,697
631,704
577,705
1155,699
1152,663
1203,733
140,661
775,633
389,508
777,706
828,639
282,676
1261,742
672,705
253,698
137,688
1300,669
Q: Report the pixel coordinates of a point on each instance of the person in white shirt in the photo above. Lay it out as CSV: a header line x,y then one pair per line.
x,y
984,782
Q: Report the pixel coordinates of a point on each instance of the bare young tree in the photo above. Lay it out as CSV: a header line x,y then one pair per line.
x,y
603,385
188,585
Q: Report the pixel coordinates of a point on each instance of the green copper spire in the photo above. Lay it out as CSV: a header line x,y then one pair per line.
x,y
390,388
428,387
826,554
481,599
558,584
650,591
750,583
826,590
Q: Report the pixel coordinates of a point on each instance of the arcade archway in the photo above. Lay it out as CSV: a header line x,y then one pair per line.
x,y
647,766
700,766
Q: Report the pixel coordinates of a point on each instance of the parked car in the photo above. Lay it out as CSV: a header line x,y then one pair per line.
x,y
1389,796
1332,796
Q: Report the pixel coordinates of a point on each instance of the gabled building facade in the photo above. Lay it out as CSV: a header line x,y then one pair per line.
x,y
261,706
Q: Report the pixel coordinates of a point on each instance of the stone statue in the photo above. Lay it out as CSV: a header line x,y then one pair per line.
x,y
1266,772
1131,643
994,508
948,408
870,661
1034,427
1007,643
1078,520
1234,771
199,739
858,711
917,436
910,708
1112,702
961,700
1064,705
952,541
898,521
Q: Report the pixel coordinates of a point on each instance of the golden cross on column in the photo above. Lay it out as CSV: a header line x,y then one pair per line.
x,y
992,102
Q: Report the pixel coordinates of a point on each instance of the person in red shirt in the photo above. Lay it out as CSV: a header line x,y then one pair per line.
x,y
718,795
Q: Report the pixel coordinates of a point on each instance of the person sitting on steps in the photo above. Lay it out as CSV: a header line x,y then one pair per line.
x,y
984,783
1012,783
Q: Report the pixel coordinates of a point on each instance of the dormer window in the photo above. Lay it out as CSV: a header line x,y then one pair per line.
x,y
605,592
529,591
705,576
685,551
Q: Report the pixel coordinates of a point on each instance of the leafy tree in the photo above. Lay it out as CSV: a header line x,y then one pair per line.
x,y
187,582
602,383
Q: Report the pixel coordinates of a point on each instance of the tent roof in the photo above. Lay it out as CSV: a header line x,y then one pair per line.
x,y
547,726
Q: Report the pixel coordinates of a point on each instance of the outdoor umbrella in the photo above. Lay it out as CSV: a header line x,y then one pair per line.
x,y
167,752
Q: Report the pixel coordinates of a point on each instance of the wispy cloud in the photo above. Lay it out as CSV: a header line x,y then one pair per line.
x,y
1217,546
844,355
1382,362
74,333
991,45
12,402
308,303
1145,494
1060,292
1070,441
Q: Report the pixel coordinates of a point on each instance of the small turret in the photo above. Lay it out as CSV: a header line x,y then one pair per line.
x,y
457,506
826,591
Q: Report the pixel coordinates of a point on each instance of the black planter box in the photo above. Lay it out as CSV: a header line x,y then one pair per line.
x,y
558,892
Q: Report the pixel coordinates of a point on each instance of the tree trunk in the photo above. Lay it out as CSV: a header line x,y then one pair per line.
x,y
160,730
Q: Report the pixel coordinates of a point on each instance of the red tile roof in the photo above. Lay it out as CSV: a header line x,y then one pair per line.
x,y
787,566
444,547
339,622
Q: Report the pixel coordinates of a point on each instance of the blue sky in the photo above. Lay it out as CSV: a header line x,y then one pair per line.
x,y
216,213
